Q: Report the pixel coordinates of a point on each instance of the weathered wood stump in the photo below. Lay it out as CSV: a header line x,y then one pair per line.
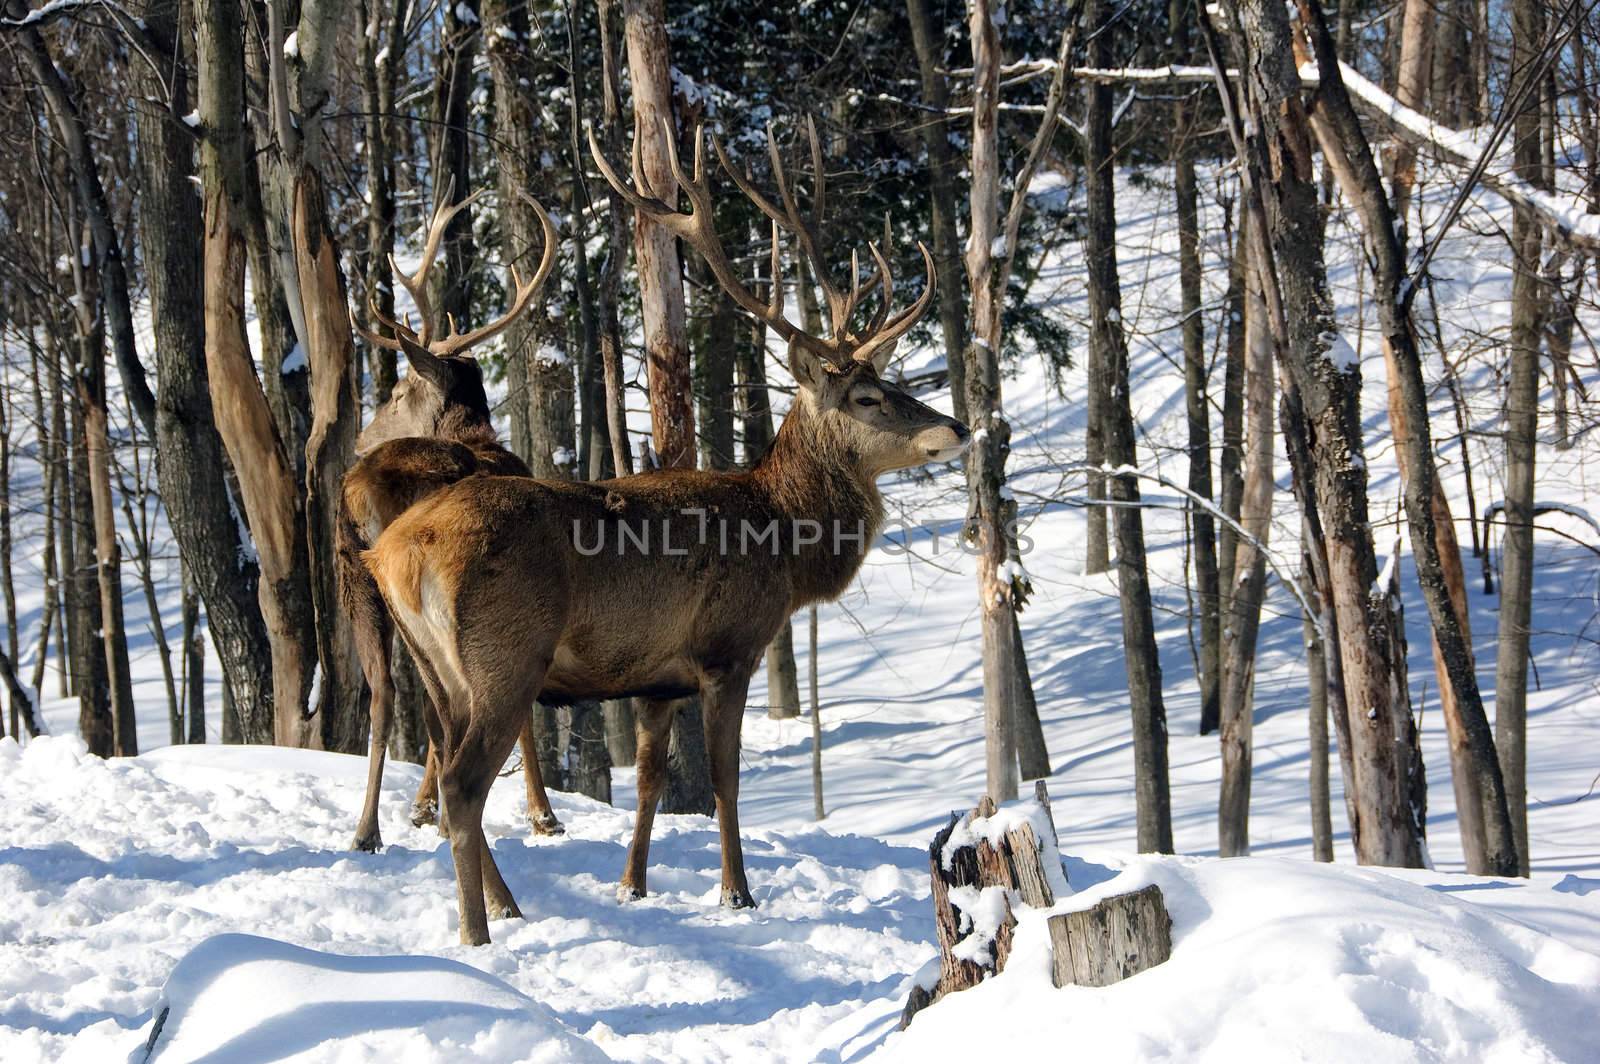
x,y
1118,937
983,863
978,866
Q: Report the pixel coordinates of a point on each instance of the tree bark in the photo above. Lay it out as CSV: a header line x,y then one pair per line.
x,y
926,38
997,596
1230,459
1196,401
1105,311
1317,680
666,343
1250,579
1487,836
453,82
1521,434
189,455
1328,379
660,285
266,479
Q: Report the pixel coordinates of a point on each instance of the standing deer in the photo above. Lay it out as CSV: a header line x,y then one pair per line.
x,y
434,431
507,588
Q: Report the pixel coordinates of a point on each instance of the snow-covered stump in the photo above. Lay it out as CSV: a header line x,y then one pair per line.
x,y
990,860
1118,937
980,862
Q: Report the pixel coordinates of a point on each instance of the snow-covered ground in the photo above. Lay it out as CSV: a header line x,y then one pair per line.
x,y
117,876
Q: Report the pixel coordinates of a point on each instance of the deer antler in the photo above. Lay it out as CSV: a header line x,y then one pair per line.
x,y
453,342
697,229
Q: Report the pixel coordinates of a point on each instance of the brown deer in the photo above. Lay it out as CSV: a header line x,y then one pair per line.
x,y
661,585
434,431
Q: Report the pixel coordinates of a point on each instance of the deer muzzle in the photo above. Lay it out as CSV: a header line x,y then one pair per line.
x,y
944,441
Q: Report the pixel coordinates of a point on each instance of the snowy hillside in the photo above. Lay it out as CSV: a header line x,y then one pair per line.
x,y
116,875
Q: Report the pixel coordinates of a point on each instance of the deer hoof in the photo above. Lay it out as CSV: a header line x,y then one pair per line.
x,y
737,898
425,812
546,824
505,912
368,842
627,892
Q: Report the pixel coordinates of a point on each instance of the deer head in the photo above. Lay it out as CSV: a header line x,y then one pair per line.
x,y
843,395
445,383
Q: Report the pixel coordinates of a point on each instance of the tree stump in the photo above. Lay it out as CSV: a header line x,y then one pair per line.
x,y
983,863
1118,937
979,865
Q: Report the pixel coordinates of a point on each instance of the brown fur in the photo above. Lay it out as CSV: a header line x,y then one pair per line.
x,y
447,401
488,586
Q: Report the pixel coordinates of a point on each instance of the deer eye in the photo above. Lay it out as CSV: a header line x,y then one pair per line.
x,y
866,400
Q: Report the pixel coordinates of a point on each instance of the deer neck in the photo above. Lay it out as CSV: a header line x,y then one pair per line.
x,y
811,474
466,428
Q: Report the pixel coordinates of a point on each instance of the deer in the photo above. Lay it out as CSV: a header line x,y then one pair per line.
x,y
499,588
433,431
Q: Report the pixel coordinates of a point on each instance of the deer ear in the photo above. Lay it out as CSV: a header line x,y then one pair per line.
x,y
807,366
425,363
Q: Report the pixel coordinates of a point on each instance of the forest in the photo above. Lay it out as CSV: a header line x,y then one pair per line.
x,y
1213,383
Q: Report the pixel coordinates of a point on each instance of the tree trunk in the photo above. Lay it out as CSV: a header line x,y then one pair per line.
x,y
380,64
1197,405
194,664
109,266
818,810
660,286
666,344
1230,460
189,455
927,39
267,482
91,679
1250,578
453,80
997,596
1105,311
1328,377
1317,679
1487,836
1521,433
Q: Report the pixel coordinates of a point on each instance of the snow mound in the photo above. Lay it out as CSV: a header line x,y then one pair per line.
x,y
243,998
1288,960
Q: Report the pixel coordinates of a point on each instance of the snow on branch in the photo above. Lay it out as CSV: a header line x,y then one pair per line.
x,y
1566,217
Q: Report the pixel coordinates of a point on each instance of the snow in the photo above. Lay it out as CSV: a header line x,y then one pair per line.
x,y
119,877
291,45
1340,353
294,361
1287,960
244,997
192,119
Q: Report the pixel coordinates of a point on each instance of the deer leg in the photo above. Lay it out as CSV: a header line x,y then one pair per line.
x,y
722,713
540,815
370,627
652,728
368,837
425,806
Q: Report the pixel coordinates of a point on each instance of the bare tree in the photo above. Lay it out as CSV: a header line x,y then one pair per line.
x,y
1521,433
1327,379
665,340
1237,698
1154,799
